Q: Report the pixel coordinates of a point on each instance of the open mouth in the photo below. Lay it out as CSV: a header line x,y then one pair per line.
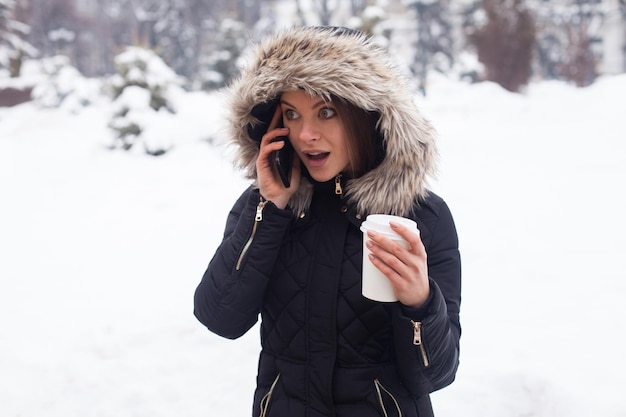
x,y
316,159
317,156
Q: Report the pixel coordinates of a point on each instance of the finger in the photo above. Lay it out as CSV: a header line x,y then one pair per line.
x,y
277,119
381,260
385,243
391,255
267,148
410,235
271,135
388,271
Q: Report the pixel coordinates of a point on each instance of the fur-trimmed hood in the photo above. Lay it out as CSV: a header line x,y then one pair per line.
x,y
343,63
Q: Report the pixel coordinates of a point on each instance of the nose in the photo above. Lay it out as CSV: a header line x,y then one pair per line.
x,y
309,131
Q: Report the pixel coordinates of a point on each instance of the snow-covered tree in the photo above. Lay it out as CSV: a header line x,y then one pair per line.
x,y
505,42
569,40
435,45
145,92
176,37
165,26
13,45
372,20
54,26
219,62
62,85
614,53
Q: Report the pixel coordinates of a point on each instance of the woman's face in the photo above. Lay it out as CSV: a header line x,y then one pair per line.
x,y
316,133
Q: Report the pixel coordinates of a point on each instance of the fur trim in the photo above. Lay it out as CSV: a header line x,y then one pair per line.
x,y
324,62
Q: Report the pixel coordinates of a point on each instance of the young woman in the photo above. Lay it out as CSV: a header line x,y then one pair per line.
x,y
293,254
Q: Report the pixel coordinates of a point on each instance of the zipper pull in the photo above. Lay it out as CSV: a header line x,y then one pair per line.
x,y
417,341
338,189
417,332
259,209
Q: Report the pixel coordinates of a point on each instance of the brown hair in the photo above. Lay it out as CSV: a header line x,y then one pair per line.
x,y
362,136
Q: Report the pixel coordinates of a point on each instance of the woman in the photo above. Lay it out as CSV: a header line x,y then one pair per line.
x,y
293,254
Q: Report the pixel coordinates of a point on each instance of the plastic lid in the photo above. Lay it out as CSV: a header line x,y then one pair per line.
x,y
380,224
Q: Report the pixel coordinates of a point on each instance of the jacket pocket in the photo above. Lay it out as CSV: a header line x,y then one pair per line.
x,y
267,398
382,393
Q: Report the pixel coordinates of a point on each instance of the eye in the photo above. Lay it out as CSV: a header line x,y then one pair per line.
x,y
291,114
327,113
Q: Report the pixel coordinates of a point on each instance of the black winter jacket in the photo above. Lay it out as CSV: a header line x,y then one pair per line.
x,y
327,350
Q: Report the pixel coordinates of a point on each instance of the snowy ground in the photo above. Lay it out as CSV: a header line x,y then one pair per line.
x,y
101,252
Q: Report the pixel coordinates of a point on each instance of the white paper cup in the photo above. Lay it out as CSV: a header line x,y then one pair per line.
x,y
375,285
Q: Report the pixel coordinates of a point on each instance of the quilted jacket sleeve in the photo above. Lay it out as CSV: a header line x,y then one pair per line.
x,y
427,339
228,299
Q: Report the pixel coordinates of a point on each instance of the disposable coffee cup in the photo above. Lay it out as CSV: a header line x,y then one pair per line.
x,y
375,285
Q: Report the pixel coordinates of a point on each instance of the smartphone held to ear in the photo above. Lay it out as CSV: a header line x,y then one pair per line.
x,y
284,161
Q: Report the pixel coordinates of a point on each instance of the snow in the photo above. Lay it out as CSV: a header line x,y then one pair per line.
x,y
102,250
145,67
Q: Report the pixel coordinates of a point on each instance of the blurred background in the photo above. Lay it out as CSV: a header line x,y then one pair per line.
x,y
511,42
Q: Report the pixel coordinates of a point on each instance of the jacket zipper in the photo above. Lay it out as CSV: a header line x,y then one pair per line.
x,y
379,390
257,220
417,341
338,189
265,401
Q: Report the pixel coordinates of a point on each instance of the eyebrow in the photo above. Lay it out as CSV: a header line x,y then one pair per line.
x,y
320,103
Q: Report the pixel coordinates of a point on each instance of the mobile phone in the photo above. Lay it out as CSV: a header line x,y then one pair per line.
x,y
284,161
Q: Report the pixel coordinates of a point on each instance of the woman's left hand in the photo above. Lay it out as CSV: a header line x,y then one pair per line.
x,y
407,269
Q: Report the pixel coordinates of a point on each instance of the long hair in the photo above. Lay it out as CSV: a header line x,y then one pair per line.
x,y
363,138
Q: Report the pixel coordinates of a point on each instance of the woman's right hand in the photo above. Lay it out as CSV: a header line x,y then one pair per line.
x,y
270,185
